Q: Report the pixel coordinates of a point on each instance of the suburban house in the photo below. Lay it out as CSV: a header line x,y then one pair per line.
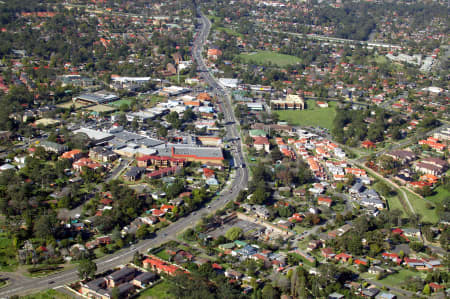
x,y
261,143
402,156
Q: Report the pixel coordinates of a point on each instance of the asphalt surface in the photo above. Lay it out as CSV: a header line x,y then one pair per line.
x,y
20,286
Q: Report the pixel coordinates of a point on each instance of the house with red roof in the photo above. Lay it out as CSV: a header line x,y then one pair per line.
x,y
159,266
72,155
360,261
436,287
296,217
368,144
327,252
261,143
326,201
342,257
86,162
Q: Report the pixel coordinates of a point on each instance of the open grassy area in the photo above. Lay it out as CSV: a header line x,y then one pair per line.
x,y
420,207
49,294
161,290
440,195
120,102
163,255
399,278
102,108
8,260
154,100
311,116
228,31
392,201
264,57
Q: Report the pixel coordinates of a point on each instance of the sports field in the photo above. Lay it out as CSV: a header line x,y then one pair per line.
x,y
311,116
264,57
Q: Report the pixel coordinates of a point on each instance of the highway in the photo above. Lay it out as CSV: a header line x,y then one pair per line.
x,y
19,286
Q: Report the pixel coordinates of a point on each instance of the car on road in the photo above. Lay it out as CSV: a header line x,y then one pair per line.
x,y
209,207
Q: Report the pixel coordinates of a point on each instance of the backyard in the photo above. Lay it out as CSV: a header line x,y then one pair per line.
x,y
160,290
264,57
311,116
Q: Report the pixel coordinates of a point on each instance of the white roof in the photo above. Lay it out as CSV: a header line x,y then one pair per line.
x,y
94,134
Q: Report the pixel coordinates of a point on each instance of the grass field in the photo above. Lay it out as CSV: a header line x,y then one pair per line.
x,y
161,290
102,108
441,194
49,294
420,207
393,202
163,255
67,105
120,102
8,260
399,278
311,116
264,57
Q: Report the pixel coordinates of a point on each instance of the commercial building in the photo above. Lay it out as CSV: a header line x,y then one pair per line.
x,y
292,102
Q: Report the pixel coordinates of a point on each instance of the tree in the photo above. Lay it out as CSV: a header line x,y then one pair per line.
x,y
87,269
234,233
426,290
115,293
45,226
142,231
268,292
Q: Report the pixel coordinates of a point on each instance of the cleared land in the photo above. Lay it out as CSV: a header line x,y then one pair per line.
x,y
264,57
67,105
311,116
101,108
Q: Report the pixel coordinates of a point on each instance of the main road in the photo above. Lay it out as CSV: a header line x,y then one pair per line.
x,y
19,286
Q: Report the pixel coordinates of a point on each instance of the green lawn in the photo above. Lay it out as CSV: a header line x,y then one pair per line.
x,y
228,31
49,294
264,57
163,255
120,102
441,194
399,278
8,260
393,202
160,291
311,116
420,207
154,100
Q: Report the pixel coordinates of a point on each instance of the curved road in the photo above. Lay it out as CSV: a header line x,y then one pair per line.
x,y
27,285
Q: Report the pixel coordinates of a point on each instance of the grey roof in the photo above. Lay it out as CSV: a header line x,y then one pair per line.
x,y
94,134
119,274
96,283
134,171
210,152
97,97
146,277
124,288
51,144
